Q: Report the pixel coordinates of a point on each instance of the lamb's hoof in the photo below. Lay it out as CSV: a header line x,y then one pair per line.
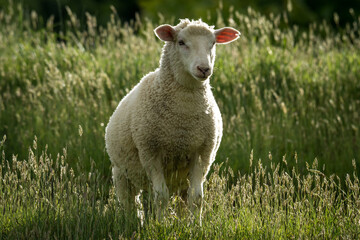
x,y
161,201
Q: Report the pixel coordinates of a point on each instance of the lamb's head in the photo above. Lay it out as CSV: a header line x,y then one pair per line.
x,y
193,45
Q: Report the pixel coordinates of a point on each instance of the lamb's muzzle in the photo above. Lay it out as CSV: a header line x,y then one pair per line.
x,y
204,70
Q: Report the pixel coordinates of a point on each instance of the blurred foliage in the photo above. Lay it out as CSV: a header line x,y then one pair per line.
x,y
300,12
101,9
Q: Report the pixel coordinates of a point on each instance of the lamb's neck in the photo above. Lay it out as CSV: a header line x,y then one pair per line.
x,y
182,80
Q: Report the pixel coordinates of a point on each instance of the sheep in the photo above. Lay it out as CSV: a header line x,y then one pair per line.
x,y
164,134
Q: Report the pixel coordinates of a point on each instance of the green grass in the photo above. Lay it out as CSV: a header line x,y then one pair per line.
x,y
42,198
282,91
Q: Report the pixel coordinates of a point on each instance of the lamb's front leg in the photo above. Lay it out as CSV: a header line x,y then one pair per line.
x,y
196,179
198,171
155,173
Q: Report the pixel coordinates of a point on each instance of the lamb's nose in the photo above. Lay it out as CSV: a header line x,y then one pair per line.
x,y
203,69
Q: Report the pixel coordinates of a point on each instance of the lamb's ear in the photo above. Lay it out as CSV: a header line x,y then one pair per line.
x,y
226,35
165,32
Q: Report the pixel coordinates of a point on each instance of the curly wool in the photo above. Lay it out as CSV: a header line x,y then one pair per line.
x,y
164,134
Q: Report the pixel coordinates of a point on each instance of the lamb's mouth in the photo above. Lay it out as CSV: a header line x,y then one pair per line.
x,y
201,77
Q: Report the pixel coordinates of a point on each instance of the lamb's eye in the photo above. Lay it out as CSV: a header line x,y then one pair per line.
x,y
181,43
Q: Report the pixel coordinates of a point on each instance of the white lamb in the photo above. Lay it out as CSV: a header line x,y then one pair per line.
x,y
164,134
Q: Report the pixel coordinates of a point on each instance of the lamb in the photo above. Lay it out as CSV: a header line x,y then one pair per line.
x,y
164,134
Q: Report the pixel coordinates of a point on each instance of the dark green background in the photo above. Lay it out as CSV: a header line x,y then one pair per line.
x,y
300,12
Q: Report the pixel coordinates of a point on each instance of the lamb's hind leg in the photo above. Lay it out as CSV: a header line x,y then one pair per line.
x,y
125,190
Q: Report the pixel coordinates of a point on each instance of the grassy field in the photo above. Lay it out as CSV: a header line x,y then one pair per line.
x,y
288,96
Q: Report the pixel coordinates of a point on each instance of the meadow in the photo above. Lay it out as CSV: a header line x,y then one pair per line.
x,y
287,164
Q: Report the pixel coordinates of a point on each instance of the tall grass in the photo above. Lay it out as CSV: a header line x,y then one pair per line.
x,y
287,96
42,198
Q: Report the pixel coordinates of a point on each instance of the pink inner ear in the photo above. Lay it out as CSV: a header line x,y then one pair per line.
x,y
226,35
165,32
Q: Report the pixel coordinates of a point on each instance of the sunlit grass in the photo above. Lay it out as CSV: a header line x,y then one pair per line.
x,y
289,91
42,198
